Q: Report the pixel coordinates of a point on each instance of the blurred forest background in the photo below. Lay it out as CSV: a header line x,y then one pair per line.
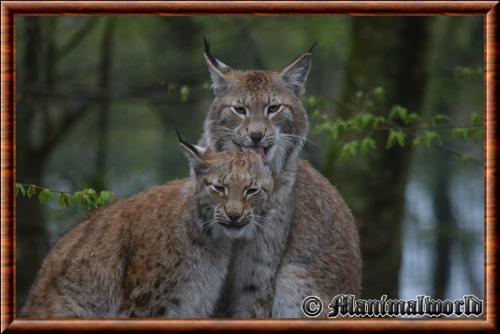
x,y
97,97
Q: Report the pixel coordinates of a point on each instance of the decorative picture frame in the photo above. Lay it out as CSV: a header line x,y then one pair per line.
x,y
12,9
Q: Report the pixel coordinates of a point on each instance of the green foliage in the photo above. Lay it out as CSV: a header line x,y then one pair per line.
x,y
467,72
45,196
440,118
367,144
460,133
475,119
88,198
396,137
20,190
398,112
184,91
378,94
350,149
431,138
404,128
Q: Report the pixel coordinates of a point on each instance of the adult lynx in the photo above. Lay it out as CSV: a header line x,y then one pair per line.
x,y
161,253
320,254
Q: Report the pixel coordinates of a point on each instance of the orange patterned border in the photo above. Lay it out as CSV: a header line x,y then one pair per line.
x,y
488,9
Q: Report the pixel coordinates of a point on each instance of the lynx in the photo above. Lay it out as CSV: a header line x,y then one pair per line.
x,y
318,252
161,253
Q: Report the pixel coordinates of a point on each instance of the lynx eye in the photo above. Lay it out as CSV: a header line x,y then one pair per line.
x,y
273,109
239,110
216,188
251,191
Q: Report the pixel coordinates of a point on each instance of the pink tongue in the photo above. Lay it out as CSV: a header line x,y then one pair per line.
x,y
260,151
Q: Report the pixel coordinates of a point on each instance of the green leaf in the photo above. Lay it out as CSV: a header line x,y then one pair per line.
x,y
105,196
416,141
475,119
359,94
468,72
398,112
395,137
65,199
171,88
431,137
61,202
367,144
31,191
334,131
91,193
460,133
316,113
362,120
369,105
378,93
353,124
342,125
20,190
77,198
376,122
349,149
323,127
412,118
312,101
86,200
45,195
184,91
466,158
440,118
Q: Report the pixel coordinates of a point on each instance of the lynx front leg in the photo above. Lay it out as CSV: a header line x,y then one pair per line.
x,y
253,275
251,284
293,284
297,280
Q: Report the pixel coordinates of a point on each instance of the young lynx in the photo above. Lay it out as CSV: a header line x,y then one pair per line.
x,y
161,253
319,253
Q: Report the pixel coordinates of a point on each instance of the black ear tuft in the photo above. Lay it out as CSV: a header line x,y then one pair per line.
x,y
207,46
312,47
217,70
212,59
188,146
195,155
178,135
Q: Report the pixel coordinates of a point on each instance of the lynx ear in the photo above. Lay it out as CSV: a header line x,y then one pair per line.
x,y
194,154
217,69
295,74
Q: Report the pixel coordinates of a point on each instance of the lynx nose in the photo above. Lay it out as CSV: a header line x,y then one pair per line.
x,y
233,217
256,137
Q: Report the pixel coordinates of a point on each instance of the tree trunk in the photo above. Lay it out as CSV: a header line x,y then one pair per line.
x,y
445,225
387,52
445,101
99,179
31,232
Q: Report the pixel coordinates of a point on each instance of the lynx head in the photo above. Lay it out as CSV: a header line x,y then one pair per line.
x,y
231,190
258,109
